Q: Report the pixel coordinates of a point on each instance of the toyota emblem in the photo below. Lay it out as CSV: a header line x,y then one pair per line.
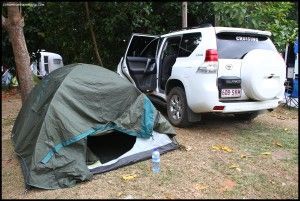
x,y
228,67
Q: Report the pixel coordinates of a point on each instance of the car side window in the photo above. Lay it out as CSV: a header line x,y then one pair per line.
x,y
189,43
56,61
142,46
171,46
150,50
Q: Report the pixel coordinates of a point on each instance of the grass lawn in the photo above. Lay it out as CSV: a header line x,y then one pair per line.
x,y
219,158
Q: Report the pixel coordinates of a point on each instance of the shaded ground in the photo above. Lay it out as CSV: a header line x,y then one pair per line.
x,y
220,158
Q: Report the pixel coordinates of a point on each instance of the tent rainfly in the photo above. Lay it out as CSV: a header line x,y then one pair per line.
x,y
82,120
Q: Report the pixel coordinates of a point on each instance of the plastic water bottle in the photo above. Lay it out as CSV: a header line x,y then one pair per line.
x,y
155,161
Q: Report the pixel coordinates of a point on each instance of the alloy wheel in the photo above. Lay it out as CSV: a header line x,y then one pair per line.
x,y
176,107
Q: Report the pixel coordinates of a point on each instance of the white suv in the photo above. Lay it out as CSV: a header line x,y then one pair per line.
x,y
207,69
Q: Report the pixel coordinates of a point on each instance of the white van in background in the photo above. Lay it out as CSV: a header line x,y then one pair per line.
x,y
44,63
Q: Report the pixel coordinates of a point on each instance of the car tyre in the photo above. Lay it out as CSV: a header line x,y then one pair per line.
x,y
177,107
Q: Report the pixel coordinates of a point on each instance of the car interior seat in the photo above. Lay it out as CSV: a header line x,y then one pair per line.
x,y
167,64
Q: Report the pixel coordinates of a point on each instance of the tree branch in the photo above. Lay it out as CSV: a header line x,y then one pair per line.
x,y
92,34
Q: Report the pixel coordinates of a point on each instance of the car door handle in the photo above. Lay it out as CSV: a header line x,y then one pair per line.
x,y
272,76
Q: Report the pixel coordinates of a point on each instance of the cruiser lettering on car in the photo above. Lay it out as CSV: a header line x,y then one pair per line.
x,y
243,38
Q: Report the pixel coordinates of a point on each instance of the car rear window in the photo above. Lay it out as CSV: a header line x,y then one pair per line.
x,y
237,45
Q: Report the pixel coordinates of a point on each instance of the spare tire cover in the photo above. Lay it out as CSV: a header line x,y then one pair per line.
x,y
263,74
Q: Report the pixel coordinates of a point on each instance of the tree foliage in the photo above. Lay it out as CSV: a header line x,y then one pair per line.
x,y
278,17
63,28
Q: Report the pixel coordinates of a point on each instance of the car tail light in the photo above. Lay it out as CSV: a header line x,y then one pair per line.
x,y
211,55
210,64
219,108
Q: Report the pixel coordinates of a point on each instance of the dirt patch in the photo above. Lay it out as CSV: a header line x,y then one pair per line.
x,y
227,185
197,170
11,104
282,116
281,155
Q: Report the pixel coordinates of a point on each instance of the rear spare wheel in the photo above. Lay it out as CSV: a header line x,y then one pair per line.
x,y
263,74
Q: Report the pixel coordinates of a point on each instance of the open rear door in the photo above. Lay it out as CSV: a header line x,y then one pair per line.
x,y
139,63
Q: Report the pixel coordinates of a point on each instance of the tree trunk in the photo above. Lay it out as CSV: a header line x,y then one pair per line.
x,y
184,14
14,24
92,34
216,20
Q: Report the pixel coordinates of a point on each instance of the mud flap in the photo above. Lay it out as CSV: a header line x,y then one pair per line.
x,y
192,116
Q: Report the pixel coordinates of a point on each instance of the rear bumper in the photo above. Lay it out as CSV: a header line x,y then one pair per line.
x,y
203,95
249,106
236,107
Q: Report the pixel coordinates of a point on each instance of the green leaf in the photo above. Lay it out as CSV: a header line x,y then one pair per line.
x,y
41,34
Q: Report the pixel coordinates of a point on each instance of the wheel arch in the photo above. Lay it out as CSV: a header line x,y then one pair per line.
x,y
173,83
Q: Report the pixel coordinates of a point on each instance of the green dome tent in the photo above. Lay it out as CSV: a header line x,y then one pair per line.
x,y
82,120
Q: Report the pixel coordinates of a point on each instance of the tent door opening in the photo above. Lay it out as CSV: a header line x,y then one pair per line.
x,y
109,146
